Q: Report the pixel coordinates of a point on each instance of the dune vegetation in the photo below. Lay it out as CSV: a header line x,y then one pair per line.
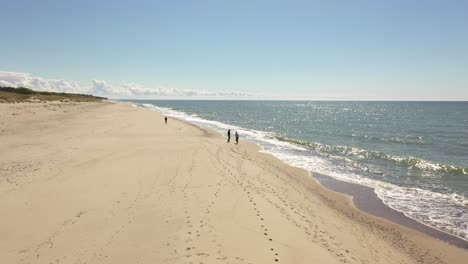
x,y
22,94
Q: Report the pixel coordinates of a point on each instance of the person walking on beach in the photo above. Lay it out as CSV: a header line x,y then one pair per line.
x,y
165,119
229,135
237,138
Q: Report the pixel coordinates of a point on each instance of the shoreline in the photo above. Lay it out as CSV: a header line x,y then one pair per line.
x,y
367,201
110,183
363,197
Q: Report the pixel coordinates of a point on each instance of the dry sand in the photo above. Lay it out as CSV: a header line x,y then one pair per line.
x,y
110,183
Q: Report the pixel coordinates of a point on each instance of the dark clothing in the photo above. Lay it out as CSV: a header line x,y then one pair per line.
x,y
229,135
165,119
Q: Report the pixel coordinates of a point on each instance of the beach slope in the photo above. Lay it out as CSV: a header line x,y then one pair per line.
x,y
105,182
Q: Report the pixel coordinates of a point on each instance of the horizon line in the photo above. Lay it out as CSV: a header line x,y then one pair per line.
x,y
293,100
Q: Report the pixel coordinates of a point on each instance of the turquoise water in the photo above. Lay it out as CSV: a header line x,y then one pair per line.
x,y
414,154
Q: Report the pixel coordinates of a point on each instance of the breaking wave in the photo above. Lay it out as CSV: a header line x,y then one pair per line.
x,y
447,212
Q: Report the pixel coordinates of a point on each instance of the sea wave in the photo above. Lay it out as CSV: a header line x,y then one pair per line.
x,y
408,139
446,212
409,162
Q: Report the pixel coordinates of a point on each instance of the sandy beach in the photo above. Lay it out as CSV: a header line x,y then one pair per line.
x,y
108,182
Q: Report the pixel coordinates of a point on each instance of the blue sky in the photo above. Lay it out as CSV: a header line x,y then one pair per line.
x,y
384,50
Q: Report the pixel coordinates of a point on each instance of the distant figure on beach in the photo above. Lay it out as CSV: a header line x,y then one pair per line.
x,y
237,138
165,119
229,135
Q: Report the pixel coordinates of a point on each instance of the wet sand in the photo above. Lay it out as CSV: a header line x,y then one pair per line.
x,y
365,199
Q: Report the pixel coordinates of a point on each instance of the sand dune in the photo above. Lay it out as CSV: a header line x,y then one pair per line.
x,y
111,183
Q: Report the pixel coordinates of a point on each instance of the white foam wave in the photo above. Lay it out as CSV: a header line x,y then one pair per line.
x,y
254,135
445,212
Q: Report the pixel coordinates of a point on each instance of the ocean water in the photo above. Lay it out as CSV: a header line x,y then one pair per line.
x,y
414,154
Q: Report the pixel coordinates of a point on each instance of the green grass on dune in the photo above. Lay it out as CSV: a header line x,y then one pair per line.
x,y
21,94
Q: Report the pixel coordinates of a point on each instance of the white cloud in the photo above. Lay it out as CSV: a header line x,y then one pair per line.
x,y
136,89
19,79
103,88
